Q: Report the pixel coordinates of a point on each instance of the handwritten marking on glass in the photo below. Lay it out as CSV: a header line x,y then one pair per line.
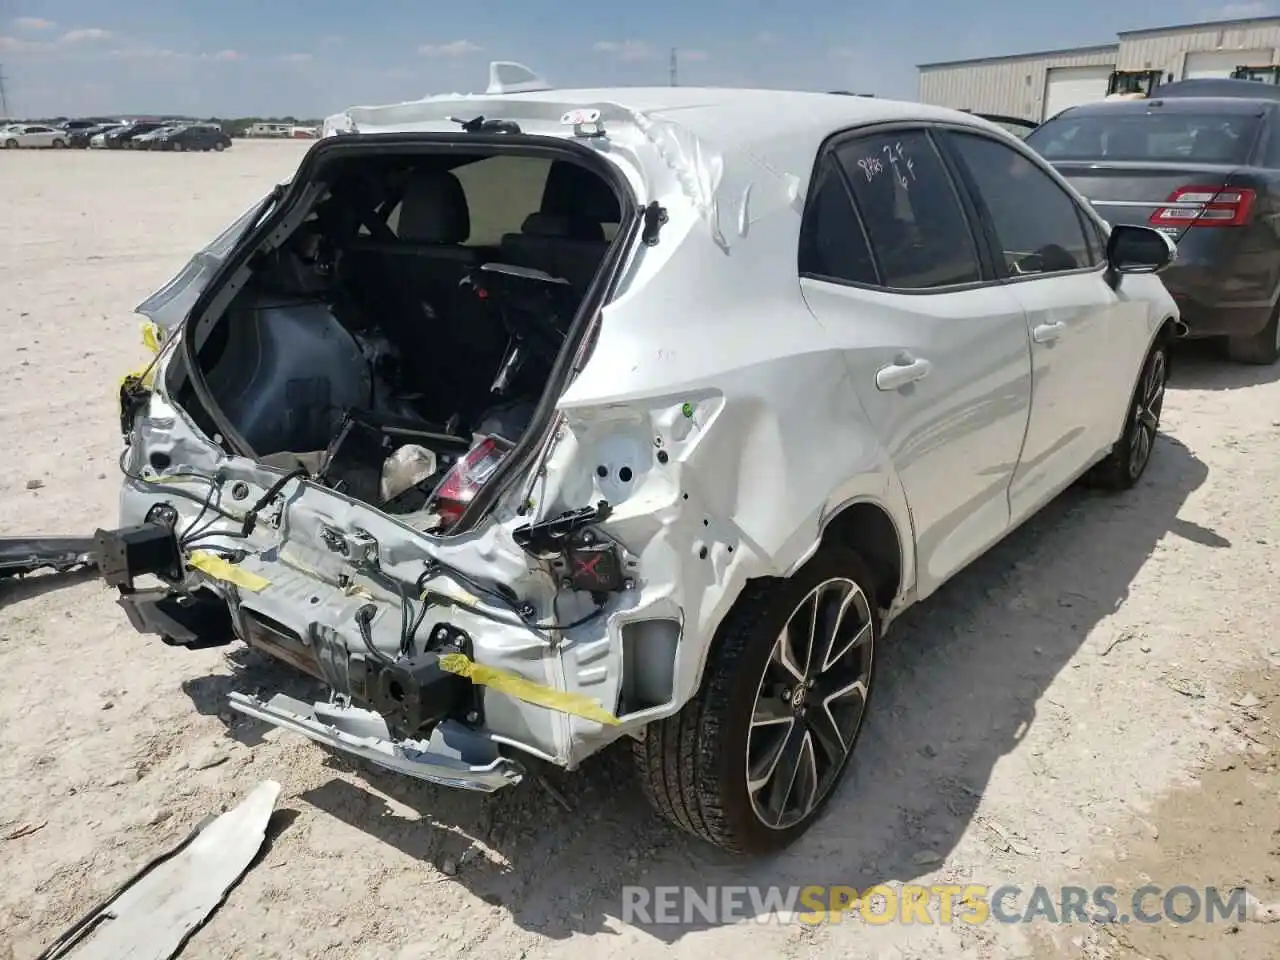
x,y
871,167
899,161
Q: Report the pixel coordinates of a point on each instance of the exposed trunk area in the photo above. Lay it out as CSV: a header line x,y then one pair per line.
x,y
396,345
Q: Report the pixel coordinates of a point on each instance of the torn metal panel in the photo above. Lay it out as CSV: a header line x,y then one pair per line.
x,y
22,555
155,914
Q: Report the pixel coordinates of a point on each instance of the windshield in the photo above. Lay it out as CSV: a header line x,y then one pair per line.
x,y
1170,137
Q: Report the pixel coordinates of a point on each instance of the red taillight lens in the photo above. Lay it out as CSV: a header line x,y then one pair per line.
x,y
1205,207
465,477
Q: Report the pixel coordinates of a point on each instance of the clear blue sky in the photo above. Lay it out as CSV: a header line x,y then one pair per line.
x,y
313,57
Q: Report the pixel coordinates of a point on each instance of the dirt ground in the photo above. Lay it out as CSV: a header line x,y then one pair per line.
x,y
1093,703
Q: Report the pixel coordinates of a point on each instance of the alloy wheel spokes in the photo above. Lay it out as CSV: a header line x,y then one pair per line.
x,y
1146,415
810,702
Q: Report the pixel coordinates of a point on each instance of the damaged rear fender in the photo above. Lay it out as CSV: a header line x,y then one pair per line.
x,y
695,502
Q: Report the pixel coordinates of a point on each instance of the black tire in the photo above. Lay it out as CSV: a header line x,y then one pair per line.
x,y
59,144
11,144
1128,460
1262,348
694,766
219,146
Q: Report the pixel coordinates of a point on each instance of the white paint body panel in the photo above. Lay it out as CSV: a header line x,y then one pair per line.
x,y
785,423
952,437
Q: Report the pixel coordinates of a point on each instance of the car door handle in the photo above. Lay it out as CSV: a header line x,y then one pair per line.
x,y
1048,332
897,375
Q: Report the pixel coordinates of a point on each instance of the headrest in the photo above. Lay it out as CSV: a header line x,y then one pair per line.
x,y
566,228
575,191
434,209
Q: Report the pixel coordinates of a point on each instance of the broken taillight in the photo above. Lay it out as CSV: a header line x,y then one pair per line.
x,y
1205,207
466,476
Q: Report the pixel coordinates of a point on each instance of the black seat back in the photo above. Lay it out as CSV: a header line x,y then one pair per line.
x,y
566,236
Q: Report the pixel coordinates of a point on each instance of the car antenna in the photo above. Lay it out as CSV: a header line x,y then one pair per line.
x,y
1196,219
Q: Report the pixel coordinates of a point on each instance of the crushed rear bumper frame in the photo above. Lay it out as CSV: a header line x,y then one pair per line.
x,y
454,756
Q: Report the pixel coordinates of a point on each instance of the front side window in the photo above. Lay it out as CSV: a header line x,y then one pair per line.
x,y
1038,226
917,226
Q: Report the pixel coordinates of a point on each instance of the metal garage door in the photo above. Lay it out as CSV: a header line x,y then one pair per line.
x,y
1220,63
1070,86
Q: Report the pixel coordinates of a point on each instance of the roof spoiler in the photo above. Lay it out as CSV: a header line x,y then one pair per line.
x,y
506,76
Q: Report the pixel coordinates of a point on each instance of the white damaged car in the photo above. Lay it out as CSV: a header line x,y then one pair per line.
x,y
526,421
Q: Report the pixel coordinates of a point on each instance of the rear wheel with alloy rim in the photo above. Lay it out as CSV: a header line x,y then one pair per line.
x,y
1128,460
755,756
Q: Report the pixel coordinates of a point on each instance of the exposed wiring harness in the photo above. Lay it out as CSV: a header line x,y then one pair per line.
x,y
437,566
410,621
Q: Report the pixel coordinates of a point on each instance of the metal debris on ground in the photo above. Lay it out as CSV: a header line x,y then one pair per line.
x,y
26,830
23,555
161,906
1186,687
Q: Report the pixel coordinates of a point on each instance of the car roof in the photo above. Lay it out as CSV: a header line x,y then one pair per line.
x,y
782,127
1199,105
1219,87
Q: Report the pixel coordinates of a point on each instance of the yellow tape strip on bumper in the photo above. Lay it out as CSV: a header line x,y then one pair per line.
x,y
522,689
212,565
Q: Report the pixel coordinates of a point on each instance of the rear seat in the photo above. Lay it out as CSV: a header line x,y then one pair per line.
x,y
411,284
566,236
427,260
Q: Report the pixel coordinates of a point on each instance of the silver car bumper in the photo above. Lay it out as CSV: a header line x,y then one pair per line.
x,y
453,757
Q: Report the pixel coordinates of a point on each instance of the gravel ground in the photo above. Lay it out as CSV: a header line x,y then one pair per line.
x,y
1094,702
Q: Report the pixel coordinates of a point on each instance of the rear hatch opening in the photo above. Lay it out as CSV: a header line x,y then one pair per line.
x,y
401,326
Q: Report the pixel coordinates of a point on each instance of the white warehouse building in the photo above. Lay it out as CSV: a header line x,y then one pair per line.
x,y
1035,86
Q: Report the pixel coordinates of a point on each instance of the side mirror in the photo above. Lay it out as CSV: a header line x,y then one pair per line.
x,y
1134,249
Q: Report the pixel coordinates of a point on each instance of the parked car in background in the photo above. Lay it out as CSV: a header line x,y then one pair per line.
x,y
1205,171
146,141
1218,87
72,126
122,138
1018,126
34,135
569,368
81,139
192,137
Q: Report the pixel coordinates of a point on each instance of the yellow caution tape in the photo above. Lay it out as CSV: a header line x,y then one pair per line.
x,y
151,338
219,568
522,689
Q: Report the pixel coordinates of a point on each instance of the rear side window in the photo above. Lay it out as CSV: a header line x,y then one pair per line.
x,y
919,233
832,244
1038,226
1156,137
